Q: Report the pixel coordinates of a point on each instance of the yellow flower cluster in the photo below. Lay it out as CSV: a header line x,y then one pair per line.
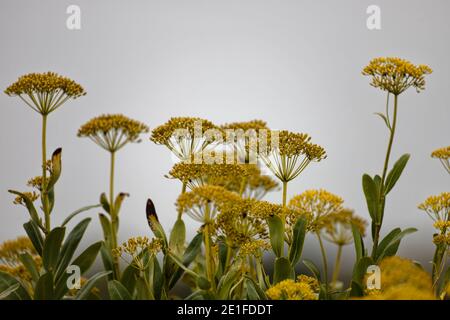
x,y
443,154
246,125
45,92
205,201
35,182
112,131
304,289
317,205
45,83
396,75
437,207
214,174
293,144
238,223
161,134
402,279
10,250
253,248
20,200
134,246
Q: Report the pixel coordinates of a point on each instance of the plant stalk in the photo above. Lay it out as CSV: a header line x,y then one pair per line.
x,y
325,263
383,179
114,220
337,265
44,195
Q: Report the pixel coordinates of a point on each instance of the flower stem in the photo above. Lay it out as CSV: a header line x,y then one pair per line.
x,y
325,263
208,250
284,193
383,178
183,190
337,265
114,218
44,195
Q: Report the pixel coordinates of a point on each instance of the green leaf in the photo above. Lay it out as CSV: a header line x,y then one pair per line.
x,y
52,248
190,254
282,270
359,243
129,278
158,279
56,168
30,265
143,292
153,222
105,203
276,230
75,213
107,259
70,245
361,268
313,268
386,241
386,121
106,227
35,236
84,261
6,283
298,239
30,207
395,173
178,236
84,292
371,193
227,281
117,291
44,287
254,292
392,247
356,289
118,202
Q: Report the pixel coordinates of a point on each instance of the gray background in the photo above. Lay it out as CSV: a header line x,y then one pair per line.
x,y
296,64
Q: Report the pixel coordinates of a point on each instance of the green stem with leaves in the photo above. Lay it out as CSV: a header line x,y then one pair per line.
x,y
391,126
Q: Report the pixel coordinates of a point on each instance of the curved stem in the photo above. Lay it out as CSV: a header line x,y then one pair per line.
x,y
383,178
325,263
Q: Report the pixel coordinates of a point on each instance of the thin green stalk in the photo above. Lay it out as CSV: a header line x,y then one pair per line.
x,y
284,193
337,265
383,179
45,203
114,219
325,263
208,250
183,190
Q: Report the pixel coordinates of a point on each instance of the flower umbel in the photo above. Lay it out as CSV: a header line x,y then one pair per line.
x,y
186,136
45,92
396,75
443,154
112,131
